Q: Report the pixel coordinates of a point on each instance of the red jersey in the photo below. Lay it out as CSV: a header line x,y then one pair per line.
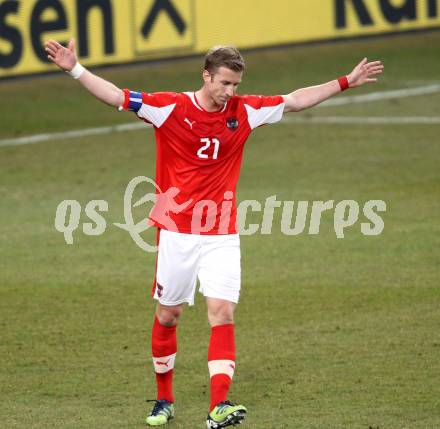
x,y
199,156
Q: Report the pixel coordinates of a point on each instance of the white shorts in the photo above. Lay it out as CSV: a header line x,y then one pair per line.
x,y
182,258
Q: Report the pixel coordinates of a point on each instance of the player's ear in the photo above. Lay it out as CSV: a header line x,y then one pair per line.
x,y
206,76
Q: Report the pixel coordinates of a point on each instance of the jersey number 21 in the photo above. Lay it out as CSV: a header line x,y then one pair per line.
x,y
201,153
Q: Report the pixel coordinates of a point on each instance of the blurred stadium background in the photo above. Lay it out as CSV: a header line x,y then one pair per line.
x,y
333,333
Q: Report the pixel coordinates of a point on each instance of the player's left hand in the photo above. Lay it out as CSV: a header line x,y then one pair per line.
x,y
64,58
365,72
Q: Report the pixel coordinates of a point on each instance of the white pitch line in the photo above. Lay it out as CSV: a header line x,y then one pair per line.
x,y
339,101
382,95
385,120
74,133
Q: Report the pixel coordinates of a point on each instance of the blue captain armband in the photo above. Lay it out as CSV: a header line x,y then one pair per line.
x,y
132,101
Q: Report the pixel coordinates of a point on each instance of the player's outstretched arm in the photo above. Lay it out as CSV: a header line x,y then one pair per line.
x,y
364,72
67,60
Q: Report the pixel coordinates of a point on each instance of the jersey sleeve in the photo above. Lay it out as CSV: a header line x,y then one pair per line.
x,y
154,108
263,109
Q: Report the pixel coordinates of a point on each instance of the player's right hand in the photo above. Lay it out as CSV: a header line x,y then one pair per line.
x,y
64,58
365,72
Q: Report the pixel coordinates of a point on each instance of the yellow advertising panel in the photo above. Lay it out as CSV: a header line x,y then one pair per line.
x,y
99,29
118,31
165,27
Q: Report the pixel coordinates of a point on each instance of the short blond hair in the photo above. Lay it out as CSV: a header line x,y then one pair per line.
x,y
224,56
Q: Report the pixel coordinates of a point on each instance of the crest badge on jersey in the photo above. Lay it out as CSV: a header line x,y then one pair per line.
x,y
232,123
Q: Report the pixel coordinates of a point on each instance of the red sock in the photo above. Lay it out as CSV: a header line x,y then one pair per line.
x,y
221,362
164,348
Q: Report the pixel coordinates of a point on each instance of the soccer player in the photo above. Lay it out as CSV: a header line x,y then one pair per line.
x,y
200,137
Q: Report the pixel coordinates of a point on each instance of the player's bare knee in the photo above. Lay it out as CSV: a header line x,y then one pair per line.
x,y
220,312
220,318
168,315
167,318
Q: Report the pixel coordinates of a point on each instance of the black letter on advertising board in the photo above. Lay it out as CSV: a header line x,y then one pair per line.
x,y
83,7
39,27
432,8
168,7
11,34
361,11
395,14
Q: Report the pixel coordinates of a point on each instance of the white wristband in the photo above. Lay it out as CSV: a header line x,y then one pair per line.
x,y
77,71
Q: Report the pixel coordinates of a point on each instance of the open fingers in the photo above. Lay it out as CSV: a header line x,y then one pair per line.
x,y
374,63
373,74
375,70
53,47
363,62
375,66
71,45
50,50
54,43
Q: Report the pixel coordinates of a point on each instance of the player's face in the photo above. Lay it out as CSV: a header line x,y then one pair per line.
x,y
222,84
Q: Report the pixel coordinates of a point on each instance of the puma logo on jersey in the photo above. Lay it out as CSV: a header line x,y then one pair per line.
x,y
159,289
189,122
163,363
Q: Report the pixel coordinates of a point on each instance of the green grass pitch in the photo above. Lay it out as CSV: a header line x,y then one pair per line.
x,y
331,333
